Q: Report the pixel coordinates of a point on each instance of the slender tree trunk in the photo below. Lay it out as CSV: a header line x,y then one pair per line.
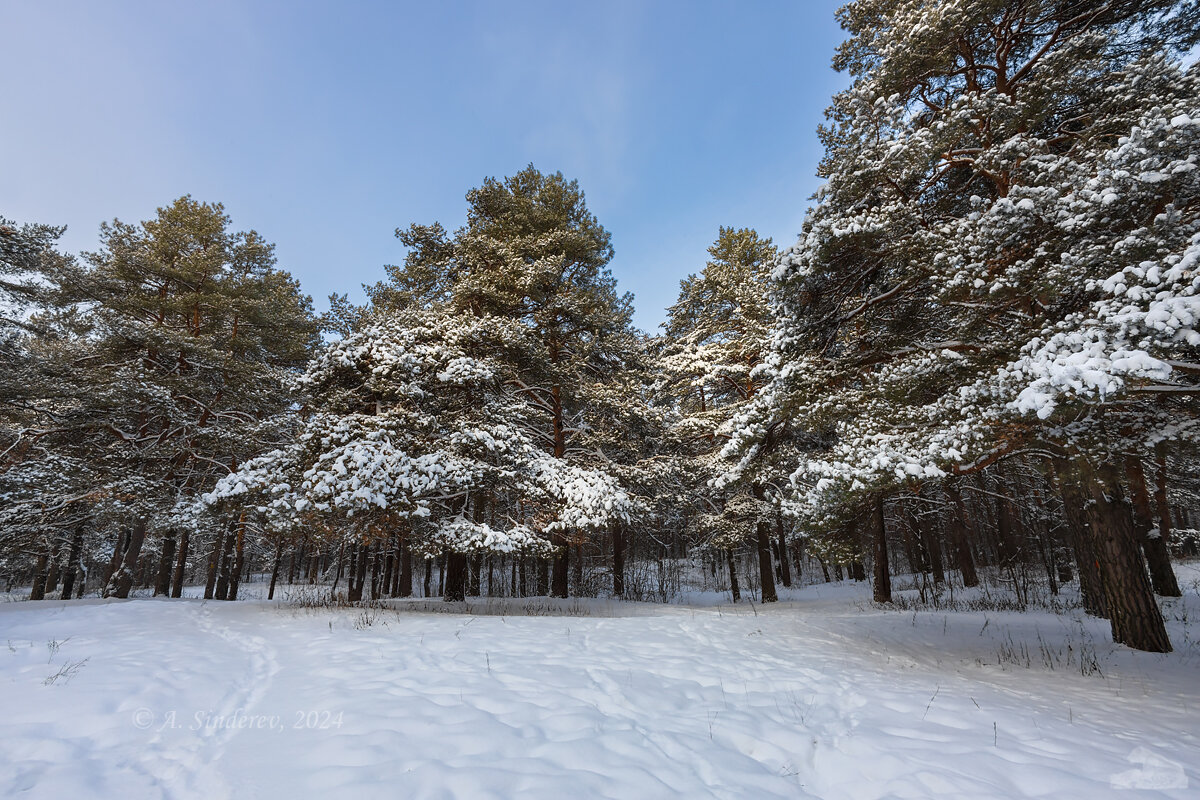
x,y
239,559
73,556
858,572
38,590
883,577
1091,590
275,570
766,570
733,580
165,562
428,576
824,569
959,538
1162,577
223,571
214,560
578,568
180,563
785,569
52,567
1134,613
618,553
120,584
558,581
406,587
542,566
475,576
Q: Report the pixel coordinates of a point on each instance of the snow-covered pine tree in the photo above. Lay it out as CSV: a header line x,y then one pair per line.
x,y
716,336
176,336
1001,261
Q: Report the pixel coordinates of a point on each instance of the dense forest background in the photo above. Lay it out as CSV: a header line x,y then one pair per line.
x,y
977,363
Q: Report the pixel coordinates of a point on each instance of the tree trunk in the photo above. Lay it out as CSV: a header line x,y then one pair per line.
x,y
38,590
558,582
1134,613
618,554
1162,577
214,561
475,576
1091,590
766,570
785,569
883,578
959,538
165,562
275,570
120,584
543,577
406,588
428,576
456,577
72,560
225,566
180,564
733,581
858,572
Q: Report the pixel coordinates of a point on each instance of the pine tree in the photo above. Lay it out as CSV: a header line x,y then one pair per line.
x,y
1003,245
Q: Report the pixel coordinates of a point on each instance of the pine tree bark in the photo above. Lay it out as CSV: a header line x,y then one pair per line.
x,y
959,538
225,564
1154,546
766,570
883,577
558,580
1133,612
406,577
165,562
214,561
275,570
1091,590
38,590
180,564
785,569
72,560
618,554
120,584
239,558
456,578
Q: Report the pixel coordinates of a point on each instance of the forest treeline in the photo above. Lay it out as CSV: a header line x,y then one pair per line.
x,y
980,357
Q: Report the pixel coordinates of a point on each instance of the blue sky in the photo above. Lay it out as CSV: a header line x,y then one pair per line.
x,y
325,126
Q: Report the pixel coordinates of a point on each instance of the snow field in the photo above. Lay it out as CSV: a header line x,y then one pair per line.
x,y
819,696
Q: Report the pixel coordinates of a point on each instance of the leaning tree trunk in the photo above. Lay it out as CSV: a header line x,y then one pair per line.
x,y
883,577
1134,613
1154,545
120,584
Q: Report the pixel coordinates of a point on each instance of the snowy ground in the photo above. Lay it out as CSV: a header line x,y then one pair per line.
x,y
819,696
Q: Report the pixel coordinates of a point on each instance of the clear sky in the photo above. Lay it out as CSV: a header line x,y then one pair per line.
x,y
325,126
